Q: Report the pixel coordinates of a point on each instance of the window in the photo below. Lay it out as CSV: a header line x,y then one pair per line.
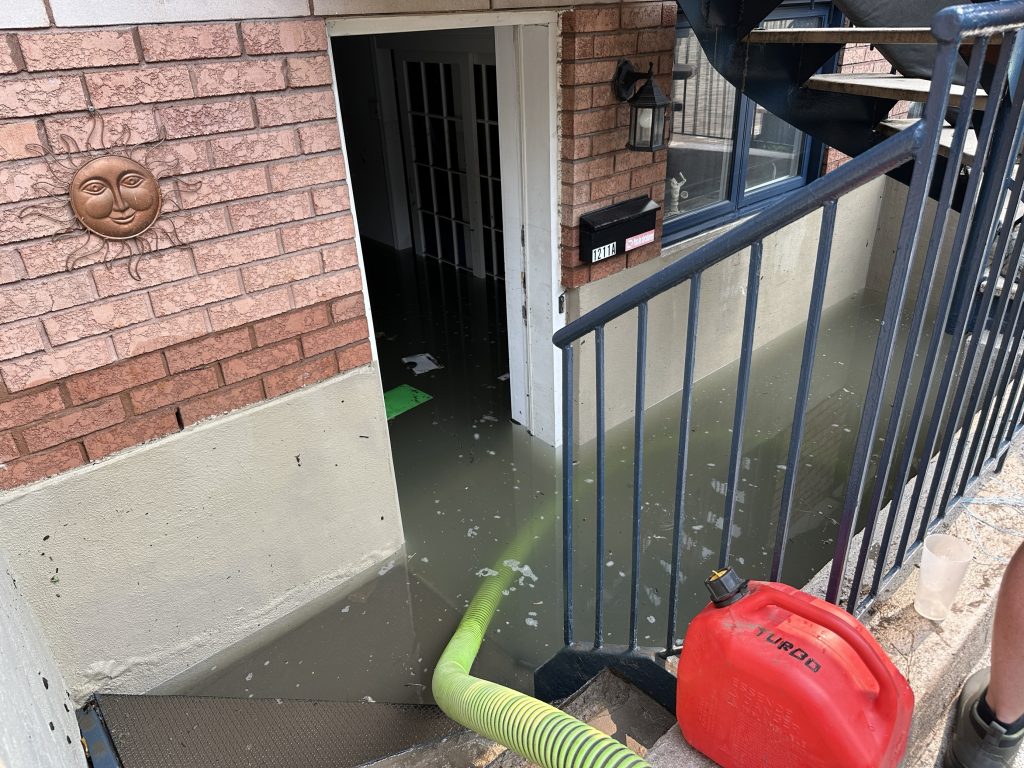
x,y
725,152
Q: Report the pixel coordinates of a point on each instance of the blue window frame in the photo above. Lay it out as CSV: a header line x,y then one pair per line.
x,y
727,155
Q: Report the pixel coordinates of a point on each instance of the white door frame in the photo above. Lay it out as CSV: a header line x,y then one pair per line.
x,y
527,65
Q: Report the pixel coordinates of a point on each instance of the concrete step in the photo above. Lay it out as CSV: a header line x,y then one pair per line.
x,y
893,87
894,126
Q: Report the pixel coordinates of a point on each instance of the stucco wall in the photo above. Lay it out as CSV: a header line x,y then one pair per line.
x,y
787,268
144,564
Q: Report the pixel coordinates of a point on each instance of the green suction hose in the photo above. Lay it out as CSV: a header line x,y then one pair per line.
x,y
537,731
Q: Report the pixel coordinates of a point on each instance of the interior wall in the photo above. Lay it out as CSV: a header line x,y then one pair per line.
x,y
383,216
786,276
140,566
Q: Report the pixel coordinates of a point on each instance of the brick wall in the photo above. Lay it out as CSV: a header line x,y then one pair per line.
x,y
597,170
861,58
262,296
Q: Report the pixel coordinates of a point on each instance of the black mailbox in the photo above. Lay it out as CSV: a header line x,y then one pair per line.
x,y
617,229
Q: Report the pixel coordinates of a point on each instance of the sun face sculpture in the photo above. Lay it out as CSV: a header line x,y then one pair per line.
x,y
111,189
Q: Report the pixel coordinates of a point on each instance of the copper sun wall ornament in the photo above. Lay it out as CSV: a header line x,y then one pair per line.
x,y
111,189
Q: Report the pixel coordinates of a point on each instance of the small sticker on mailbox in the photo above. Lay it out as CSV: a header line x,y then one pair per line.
x,y
604,251
637,240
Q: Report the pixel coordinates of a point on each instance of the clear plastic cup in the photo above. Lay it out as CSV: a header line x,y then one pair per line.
x,y
943,566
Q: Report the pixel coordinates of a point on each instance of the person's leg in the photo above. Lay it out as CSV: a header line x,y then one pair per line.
x,y
1006,688
989,726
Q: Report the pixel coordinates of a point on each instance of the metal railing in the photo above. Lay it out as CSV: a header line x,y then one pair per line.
x,y
968,402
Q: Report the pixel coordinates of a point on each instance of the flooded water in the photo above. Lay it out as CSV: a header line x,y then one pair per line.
x,y
468,478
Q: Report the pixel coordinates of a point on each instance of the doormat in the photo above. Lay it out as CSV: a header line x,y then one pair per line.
x,y
404,398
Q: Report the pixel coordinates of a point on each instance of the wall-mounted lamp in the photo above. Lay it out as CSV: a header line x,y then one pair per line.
x,y
647,107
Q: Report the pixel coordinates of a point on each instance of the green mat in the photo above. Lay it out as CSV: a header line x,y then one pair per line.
x,y
404,398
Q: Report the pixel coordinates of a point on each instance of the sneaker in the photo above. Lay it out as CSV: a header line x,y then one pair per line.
x,y
975,743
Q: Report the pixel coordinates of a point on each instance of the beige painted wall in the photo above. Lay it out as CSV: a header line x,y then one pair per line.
x,y
148,562
787,270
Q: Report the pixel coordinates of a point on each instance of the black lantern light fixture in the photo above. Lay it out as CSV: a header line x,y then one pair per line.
x,y
647,107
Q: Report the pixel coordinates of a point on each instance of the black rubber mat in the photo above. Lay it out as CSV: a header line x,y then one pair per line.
x,y
191,731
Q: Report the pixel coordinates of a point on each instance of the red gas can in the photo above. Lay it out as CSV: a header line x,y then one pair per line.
x,y
770,677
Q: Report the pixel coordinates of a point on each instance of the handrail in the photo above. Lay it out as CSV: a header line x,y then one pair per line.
x,y
883,157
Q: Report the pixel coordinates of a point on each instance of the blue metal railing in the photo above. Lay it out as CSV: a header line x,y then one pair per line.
x,y
971,382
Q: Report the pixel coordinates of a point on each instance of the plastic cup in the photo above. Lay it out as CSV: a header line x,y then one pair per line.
x,y
943,566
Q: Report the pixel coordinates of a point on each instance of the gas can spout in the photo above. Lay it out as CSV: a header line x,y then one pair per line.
x,y
726,587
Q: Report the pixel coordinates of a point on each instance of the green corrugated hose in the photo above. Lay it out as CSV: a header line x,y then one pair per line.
x,y
537,731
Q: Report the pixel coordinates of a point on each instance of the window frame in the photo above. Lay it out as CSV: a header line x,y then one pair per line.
x,y
738,201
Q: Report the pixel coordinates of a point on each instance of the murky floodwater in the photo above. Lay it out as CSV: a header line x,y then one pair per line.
x,y
468,478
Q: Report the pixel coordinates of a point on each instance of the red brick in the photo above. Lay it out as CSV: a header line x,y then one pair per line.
x,y
331,200
18,340
196,292
181,156
603,19
340,256
574,277
11,270
260,361
75,49
576,193
242,76
354,356
193,354
44,367
656,40
159,334
318,232
138,85
221,401
112,379
300,375
201,225
618,44
267,274
154,269
261,37
592,121
236,250
8,61
320,137
607,267
38,297
576,47
14,137
96,318
246,309
610,141
610,185
334,337
33,468
575,148
330,286
591,168
130,433
648,174
292,174
253,147
15,228
173,389
23,97
669,13
298,107
8,450
189,41
641,15
219,186
30,407
290,324
348,307
577,98
587,72
140,122
21,181
73,424
306,71
206,117
266,211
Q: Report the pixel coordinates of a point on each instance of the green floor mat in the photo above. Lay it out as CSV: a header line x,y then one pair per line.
x,y
404,398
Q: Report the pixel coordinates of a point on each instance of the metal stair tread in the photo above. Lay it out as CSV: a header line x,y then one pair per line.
x,y
895,87
839,35
895,125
